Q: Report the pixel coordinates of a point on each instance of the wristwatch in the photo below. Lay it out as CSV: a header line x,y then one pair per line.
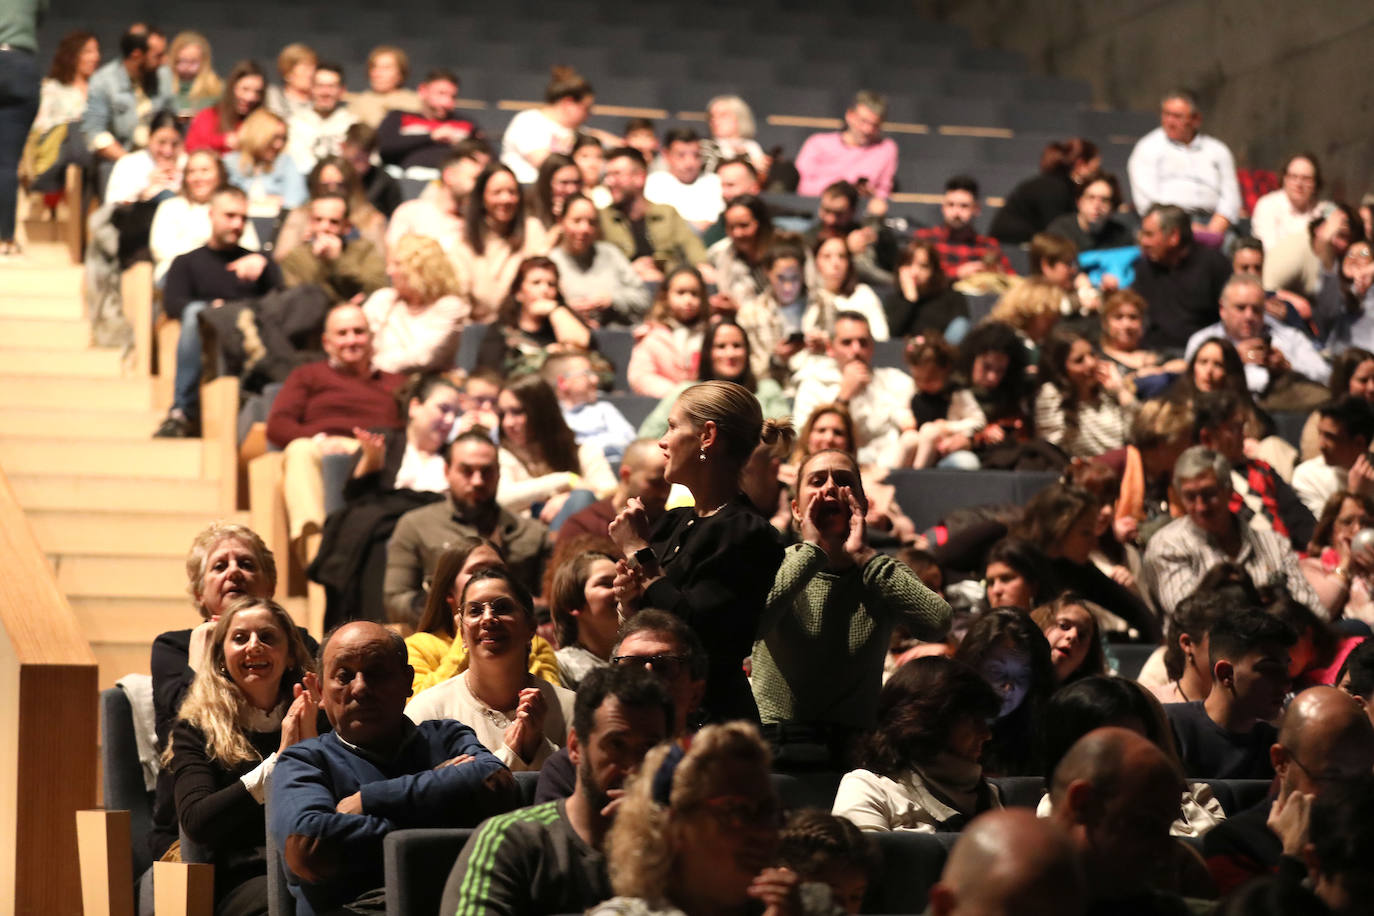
x,y
645,557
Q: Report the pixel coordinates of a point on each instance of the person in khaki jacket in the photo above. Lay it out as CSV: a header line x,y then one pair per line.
x,y
654,237
332,256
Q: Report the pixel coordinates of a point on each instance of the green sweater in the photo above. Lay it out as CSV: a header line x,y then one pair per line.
x,y
826,634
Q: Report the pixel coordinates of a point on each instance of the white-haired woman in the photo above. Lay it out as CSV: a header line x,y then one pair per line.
x,y
730,122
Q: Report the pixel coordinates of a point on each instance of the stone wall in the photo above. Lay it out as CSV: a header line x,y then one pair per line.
x,y
1273,76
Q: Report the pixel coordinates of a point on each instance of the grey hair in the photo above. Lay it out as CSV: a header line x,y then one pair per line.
x,y
1172,219
875,102
1238,280
744,115
1186,95
1198,460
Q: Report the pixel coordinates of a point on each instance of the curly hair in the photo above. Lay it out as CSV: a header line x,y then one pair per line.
x,y
214,702
205,543
437,617
1027,302
919,707
640,848
255,138
64,59
569,593
1009,397
427,269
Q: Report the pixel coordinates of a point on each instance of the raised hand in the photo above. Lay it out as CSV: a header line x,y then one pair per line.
x,y
526,731
373,451
630,529
855,546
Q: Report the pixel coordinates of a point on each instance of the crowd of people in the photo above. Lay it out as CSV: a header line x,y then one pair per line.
x,y
656,620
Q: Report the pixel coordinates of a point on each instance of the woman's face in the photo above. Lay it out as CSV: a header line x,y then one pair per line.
x,y
564,183
684,298
1209,370
1060,273
1362,380
1080,540
513,420
919,271
729,353
681,445
785,276
832,263
827,432
1095,203
385,73
590,160
255,651
331,179
1007,587
599,620
277,143
722,121
89,59
187,62
164,145
494,625
1081,366
231,571
967,737
247,94
431,420
479,558
1008,670
501,198
724,843
580,224
743,229
539,283
989,368
202,177
1124,327
1349,521
1070,635
301,76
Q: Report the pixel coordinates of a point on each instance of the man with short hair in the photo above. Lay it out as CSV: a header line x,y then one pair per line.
x,y
336,797
640,477
1180,554
879,400
683,185
649,234
737,177
124,94
1227,735
1179,279
1177,164
438,212
549,858
963,252
593,421
471,510
422,139
1345,432
1265,344
383,191
319,130
1324,740
1008,862
1117,795
219,271
1356,676
333,256
859,154
872,246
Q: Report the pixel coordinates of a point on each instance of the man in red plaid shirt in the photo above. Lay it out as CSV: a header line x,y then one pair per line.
x,y
963,252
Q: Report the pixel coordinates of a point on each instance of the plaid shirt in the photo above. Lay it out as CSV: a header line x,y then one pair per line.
x,y
957,248
1260,478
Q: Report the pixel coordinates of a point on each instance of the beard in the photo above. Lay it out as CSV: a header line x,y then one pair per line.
x,y
593,790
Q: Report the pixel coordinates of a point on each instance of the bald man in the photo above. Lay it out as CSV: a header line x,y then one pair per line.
x,y
1116,794
1011,863
641,477
1325,738
335,797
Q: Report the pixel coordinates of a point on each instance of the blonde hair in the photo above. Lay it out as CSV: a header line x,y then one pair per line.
x,y
1027,301
639,847
205,543
427,269
255,136
402,59
740,425
293,54
207,83
744,115
214,702
1161,421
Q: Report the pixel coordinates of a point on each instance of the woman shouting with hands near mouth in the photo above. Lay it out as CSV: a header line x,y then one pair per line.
x,y
818,664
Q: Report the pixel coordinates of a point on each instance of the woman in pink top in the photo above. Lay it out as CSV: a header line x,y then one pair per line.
x,y
669,345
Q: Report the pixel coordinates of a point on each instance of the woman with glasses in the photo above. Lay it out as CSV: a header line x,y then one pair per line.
x,y
520,718
1288,209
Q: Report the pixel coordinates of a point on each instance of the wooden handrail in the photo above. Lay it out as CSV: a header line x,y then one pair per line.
x,y
48,727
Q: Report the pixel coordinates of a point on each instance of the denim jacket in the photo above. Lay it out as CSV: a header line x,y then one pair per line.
x,y
112,107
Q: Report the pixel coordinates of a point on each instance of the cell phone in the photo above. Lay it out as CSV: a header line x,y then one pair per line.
x,y
796,337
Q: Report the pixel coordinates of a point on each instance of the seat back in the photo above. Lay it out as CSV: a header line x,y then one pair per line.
x,y
616,345
1131,658
927,495
814,789
635,408
911,864
468,345
526,782
417,864
1019,791
279,899
122,773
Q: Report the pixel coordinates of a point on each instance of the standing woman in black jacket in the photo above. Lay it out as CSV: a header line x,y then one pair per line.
x,y
713,564
1034,203
256,695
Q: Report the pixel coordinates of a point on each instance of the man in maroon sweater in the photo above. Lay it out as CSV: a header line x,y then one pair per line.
x,y
320,410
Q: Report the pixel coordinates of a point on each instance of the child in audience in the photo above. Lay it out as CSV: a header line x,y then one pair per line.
x,y
948,416
477,402
669,343
1012,655
830,850
921,767
930,359
1083,405
585,615
593,422
774,321
1070,628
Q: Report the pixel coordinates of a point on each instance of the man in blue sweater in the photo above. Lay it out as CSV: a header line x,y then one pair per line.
x,y
335,797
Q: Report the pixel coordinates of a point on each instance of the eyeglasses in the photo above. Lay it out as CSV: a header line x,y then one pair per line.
x,y
502,609
739,812
1324,778
667,667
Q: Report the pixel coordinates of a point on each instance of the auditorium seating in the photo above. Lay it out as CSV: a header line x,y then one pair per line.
x,y
927,495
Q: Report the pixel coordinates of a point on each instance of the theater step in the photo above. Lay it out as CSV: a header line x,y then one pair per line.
x,y
107,619
79,492
73,422
37,391
45,333
85,576
113,534
92,363
141,459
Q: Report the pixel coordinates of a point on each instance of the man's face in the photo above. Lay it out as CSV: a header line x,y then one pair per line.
x,y
1339,449
624,179
735,180
1205,500
348,338
958,209
438,97
227,215
686,691
1261,681
461,176
1228,438
1179,120
864,124
157,50
683,159
1155,243
836,213
365,685
1242,312
620,738
473,474
328,216
326,89
853,341
1248,261
645,481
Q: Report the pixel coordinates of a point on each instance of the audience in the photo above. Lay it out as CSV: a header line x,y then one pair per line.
x,y
596,279
1084,405
684,184
737,260
594,423
923,300
319,130
416,322
1339,573
296,66
217,127
1010,653
654,237
640,477
388,68
498,236
963,252
1345,432
536,132
829,850
859,154
559,178
333,175
124,94
439,210
730,128
837,289
1177,164
1009,861
1180,279
1094,224
1036,202
332,256
1290,208
61,104
260,167
668,345
423,137
1075,639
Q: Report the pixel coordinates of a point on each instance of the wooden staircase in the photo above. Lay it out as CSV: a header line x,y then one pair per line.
x,y
113,509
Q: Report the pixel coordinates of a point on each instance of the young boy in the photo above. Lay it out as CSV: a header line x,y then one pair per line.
x,y
571,376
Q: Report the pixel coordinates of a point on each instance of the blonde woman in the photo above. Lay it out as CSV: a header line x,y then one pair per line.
x,y
270,179
195,84
1031,308
296,67
417,321
255,696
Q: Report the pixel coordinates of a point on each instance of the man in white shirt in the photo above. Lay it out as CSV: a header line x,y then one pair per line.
x,y
1177,164
879,400
319,130
1344,433
683,184
1264,343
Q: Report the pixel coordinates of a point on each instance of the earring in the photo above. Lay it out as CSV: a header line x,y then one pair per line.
x,y
701,456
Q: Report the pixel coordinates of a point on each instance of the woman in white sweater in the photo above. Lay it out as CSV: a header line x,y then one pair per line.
x,y
416,322
838,291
